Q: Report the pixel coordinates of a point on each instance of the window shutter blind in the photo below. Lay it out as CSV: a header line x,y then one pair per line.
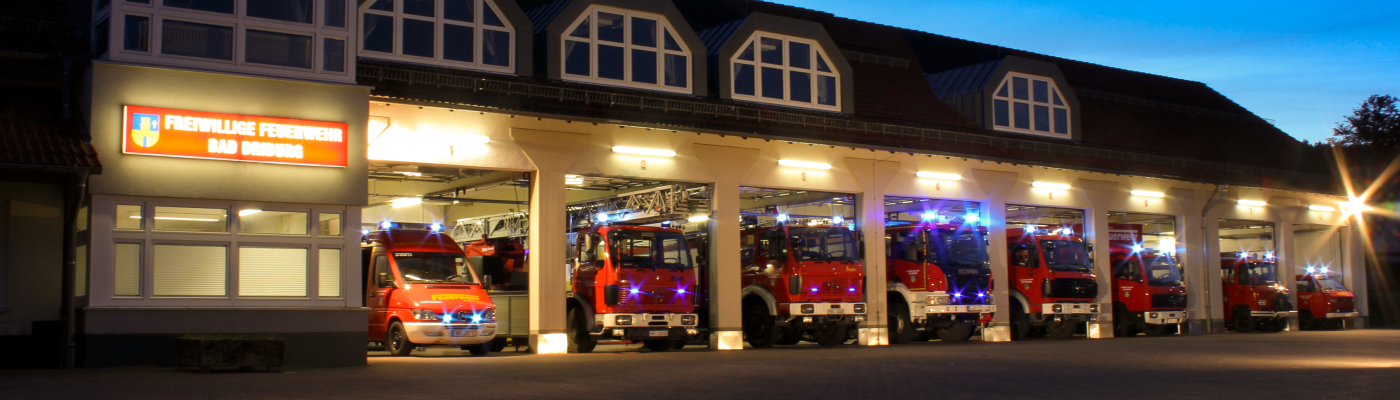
x,y
190,270
128,273
329,269
271,271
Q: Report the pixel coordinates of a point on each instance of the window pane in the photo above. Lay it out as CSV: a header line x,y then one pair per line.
x,y
610,27
582,30
191,219
671,41
1042,118
821,64
743,79
137,36
800,86
272,222
129,217
190,270
271,271
330,224
676,70
826,90
747,54
643,66
424,8
643,32
1002,112
1056,97
379,33
458,42
219,6
459,10
1023,115
495,47
128,269
328,273
1061,120
772,50
772,80
283,10
610,62
418,38
488,16
1002,92
334,54
382,5
1019,89
196,40
799,55
335,13
575,58
275,48
1041,91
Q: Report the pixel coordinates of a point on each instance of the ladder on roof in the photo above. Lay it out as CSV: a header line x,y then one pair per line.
x,y
665,203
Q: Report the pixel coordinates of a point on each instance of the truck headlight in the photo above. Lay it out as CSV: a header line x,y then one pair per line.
x,y
687,320
1152,315
1057,308
860,308
1094,308
623,320
809,308
425,315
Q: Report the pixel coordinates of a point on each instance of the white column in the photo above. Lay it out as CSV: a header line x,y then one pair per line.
x,y
997,186
1354,269
1285,216
552,153
874,177
1190,252
1211,239
1100,195
727,166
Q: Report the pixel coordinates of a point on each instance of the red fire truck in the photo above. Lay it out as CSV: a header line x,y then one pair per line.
x,y
1254,299
1149,295
421,294
938,277
1324,302
1053,282
801,282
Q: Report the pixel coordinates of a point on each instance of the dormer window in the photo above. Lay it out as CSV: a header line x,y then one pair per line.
x,y
787,71
464,33
619,47
1030,104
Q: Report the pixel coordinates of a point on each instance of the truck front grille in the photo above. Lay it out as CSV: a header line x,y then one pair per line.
x,y
1073,288
1169,301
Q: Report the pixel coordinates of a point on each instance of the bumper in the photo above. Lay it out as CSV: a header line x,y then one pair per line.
x,y
668,320
432,333
956,309
814,321
1353,314
650,333
819,309
1268,314
1164,317
1069,308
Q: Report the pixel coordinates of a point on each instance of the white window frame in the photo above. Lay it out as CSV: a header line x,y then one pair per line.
x,y
757,63
105,238
439,21
661,22
1030,102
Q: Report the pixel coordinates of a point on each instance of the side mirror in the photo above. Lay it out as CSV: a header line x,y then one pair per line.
x,y
385,281
486,282
1089,246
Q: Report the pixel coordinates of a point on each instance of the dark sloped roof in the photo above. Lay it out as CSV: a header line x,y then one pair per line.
x,y
542,14
716,37
33,133
961,81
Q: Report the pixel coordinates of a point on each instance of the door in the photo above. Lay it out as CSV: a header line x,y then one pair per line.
x,y
380,281
1131,291
591,258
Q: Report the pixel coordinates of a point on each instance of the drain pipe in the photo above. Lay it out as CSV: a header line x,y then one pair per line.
x,y
1205,250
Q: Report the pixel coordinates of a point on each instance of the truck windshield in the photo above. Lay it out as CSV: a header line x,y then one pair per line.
x,y
965,248
823,244
1263,274
1163,271
1065,255
1328,283
433,267
651,249
911,246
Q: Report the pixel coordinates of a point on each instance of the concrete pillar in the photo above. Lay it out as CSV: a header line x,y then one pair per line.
x,y
874,177
1211,239
552,153
1285,216
997,186
1354,269
1190,252
727,166
1100,195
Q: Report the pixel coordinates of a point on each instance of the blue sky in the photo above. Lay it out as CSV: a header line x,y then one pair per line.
x,y
1303,64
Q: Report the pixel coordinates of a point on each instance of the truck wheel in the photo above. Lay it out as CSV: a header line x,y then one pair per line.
x,y
479,349
1307,322
1122,327
789,337
1020,322
580,341
758,326
901,328
658,345
499,344
1160,330
679,344
830,334
1062,329
1241,320
1275,325
959,332
397,341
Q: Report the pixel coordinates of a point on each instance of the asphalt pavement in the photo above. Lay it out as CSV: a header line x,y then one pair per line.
x,y
1359,364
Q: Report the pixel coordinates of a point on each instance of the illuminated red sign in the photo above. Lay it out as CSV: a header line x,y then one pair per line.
x,y
216,136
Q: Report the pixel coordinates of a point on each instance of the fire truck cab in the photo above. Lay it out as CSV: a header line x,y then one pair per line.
x,y
1149,294
939,277
1323,302
420,293
1254,298
633,283
1053,282
801,282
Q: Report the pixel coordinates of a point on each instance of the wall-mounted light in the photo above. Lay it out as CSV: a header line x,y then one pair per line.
x,y
804,164
938,175
1321,208
573,180
1357,205
406,202
643,152
1252,203
1050,185
1147,193
699,218
245,213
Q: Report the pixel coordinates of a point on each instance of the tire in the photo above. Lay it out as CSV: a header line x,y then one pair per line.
x,y
1274,325
831,334
1064,329
396,341
901,327
677,345
1020,322
499,344
580,341
1307,322
922,337
658,345
479,349
959,332
758,326
1240,321
1122,327
1160,330
788,337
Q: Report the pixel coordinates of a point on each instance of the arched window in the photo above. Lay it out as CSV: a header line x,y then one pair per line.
x,y
787,71
464,33
626,48
1030,104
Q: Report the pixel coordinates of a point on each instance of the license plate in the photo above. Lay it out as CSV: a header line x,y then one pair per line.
x,y
464,333
833,311
659,333
974,308
1173,321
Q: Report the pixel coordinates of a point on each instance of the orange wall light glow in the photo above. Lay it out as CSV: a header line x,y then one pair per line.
x,y
216,136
